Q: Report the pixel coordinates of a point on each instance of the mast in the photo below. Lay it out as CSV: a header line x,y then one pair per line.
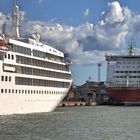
x,y
15,21
4,28
131,47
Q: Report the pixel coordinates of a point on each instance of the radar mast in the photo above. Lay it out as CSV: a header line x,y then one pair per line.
x,y
131,47
15,20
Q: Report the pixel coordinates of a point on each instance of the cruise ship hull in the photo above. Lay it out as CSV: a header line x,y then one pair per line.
x,y
28,103
124,95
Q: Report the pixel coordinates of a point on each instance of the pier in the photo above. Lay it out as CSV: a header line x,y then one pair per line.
x,y
74,103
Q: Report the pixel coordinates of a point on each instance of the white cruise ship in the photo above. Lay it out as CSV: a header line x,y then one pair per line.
x,y
34,77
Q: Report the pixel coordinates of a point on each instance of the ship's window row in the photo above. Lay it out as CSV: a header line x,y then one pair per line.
x,y
36,53
39,82
40,63
20,49
138,82
126,71
126,76
19,91
127,66
6,78
128,62
39,72
45,55
9,56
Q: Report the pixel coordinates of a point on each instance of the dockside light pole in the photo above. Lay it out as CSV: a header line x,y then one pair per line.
x,y
99,65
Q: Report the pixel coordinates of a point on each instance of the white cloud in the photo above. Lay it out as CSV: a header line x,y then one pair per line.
x,y
86,13
40,1
88,43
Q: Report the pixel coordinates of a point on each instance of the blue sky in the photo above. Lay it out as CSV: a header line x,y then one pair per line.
x,y
87,29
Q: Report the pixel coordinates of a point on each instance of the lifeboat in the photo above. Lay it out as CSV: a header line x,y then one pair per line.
x,y
3,43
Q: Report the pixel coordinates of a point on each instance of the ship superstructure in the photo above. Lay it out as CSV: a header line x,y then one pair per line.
x,y
123,77
34,77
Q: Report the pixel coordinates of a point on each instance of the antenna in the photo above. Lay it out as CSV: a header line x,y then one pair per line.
x,y
131,47
15,20
4,28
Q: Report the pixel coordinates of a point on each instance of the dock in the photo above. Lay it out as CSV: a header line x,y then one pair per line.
x,y
74,103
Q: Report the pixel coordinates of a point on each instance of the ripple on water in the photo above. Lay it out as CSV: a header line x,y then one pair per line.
x,y
74,123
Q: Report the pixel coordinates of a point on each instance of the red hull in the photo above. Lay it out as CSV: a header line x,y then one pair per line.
x,y
124,95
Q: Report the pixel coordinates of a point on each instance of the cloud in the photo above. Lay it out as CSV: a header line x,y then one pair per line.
x,y
86,13
88,43
40,1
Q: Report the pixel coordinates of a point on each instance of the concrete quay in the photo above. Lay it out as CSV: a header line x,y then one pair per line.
x,y
74,103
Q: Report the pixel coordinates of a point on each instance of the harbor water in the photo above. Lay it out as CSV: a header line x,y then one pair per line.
x,y
74,123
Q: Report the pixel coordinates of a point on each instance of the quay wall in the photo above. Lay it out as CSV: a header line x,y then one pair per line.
x,y
74,103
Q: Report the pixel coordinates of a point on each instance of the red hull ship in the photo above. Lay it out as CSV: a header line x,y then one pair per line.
x,y
124,96
123,78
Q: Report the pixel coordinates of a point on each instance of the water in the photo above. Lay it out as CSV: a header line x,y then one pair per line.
x,y
74,123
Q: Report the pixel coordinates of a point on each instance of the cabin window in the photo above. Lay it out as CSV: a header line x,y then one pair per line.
x,y
1,57
5,90
8,56
9,79
6,78
12,56
1,90
2,78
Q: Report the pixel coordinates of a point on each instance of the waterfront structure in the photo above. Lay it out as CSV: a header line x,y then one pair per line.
x,y
88,89
123,77
34,77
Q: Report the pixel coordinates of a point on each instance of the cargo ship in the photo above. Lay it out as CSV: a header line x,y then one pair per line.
x,y
123,77
34,77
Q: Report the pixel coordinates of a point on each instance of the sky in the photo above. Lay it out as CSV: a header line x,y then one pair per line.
x,y
86,29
